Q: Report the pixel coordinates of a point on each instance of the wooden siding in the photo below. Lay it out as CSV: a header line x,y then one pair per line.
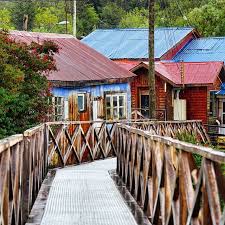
x,y
163,99
196,98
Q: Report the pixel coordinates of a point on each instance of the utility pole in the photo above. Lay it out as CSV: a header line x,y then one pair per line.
x,y
152,94
75,18
66,16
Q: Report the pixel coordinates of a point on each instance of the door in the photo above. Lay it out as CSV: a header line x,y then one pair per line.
x,y
144,102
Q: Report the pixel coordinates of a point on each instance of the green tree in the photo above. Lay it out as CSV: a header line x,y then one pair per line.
x,y
87,20
6,19
209,19
111,16
21,8
137,18
45,19
23,88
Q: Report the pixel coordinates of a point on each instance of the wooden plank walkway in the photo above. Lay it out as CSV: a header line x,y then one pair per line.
x,y
84,195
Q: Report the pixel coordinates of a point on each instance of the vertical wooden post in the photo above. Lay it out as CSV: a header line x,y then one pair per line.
x,y
46,143
25,179
152,94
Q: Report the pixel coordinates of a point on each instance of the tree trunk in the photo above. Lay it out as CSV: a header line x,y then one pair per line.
x,y
152,94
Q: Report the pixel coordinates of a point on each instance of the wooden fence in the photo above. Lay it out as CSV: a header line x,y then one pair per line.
x,y
174,182
173,128
76,142
22,170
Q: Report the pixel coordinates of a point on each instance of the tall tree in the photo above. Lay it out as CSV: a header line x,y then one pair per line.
x,y
23,86
111,15
136,18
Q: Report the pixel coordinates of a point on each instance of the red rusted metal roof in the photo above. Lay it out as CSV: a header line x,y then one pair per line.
x,y
195,73
75,61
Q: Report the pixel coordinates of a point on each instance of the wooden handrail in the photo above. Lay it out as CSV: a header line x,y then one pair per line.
x,y
206,152
25,158
168,180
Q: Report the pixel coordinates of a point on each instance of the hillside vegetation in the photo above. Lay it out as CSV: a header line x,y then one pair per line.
x,y
44,15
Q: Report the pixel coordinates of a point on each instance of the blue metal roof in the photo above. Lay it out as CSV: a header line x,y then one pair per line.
x,y
222,90
203,50
133,43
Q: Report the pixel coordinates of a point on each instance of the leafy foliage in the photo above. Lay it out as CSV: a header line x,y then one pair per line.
x,y
193,139
23,86
111,15
137,18
206,15
6,19
20,9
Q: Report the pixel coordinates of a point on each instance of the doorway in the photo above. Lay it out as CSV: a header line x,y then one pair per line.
x,y
144,102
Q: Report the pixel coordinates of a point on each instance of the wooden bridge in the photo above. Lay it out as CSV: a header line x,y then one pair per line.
x,y
172,182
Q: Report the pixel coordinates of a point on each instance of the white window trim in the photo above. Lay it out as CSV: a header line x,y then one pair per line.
x,y
55,105
118,106
83,96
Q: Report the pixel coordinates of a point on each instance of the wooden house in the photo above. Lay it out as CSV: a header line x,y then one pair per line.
x,y
207,49
183,90
87,85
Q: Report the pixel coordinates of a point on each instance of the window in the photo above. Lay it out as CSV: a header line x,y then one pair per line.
x,y
57,113
81,102
212,109
115,106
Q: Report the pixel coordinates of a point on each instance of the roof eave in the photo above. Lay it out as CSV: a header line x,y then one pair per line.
x,y
83,83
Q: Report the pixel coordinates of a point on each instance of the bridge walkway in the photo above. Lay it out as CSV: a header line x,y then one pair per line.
x,y
86,194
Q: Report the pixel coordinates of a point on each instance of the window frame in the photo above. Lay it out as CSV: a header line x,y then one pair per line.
x,y
84,96
57,107
112,106
212,102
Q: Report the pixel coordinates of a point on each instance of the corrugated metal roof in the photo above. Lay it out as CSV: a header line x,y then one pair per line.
x,y
195,73
75,61
203,50
133,43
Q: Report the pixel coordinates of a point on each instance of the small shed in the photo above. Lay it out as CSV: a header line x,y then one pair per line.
x,y
87,85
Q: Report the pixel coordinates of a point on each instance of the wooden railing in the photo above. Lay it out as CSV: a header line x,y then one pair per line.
x,y
76,142
174,182
22,170
173,128
26,158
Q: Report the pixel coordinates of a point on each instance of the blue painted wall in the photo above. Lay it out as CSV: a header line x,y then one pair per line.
x,y
96,91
